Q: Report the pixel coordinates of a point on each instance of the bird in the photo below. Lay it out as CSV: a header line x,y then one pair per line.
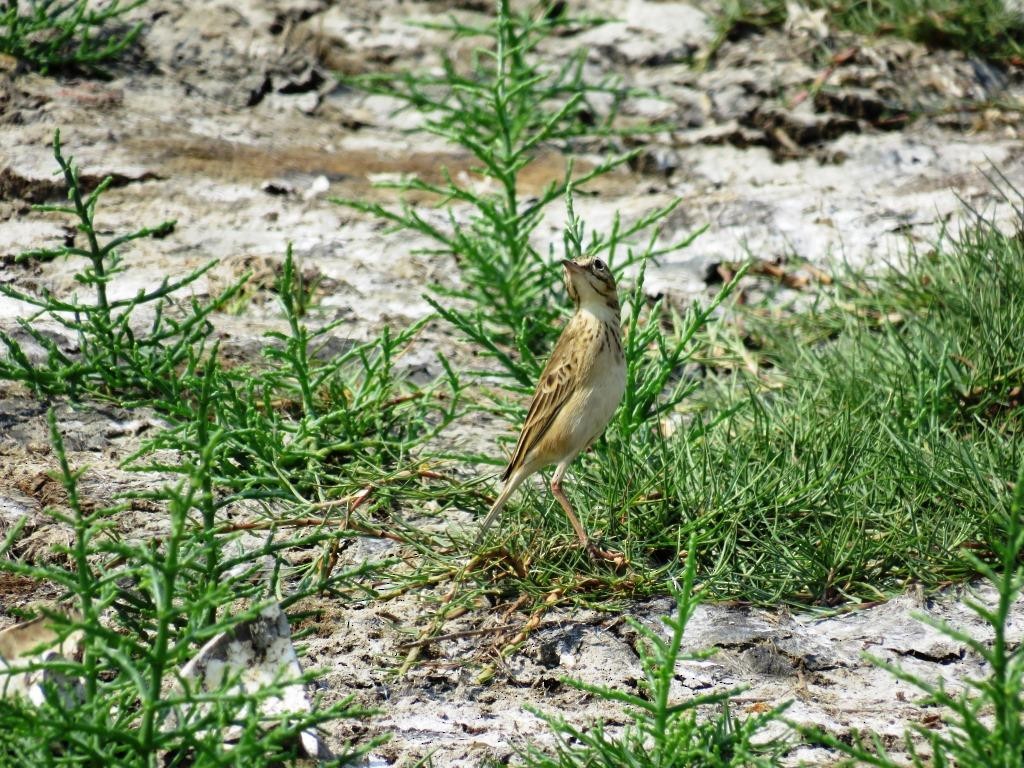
x,y
577,394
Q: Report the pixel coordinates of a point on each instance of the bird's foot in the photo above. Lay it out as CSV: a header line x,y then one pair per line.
x,y
597,554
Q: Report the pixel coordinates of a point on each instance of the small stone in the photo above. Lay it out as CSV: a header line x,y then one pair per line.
x,y
277,188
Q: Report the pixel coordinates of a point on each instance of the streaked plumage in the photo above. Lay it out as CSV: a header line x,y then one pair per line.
x,y
578,391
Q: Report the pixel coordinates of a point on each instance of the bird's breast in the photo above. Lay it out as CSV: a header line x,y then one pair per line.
x,y
605,380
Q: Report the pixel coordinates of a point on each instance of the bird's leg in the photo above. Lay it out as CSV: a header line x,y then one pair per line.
x,y
594,551
556,489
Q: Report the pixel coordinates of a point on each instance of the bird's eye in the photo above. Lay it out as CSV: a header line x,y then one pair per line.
x,y
599,266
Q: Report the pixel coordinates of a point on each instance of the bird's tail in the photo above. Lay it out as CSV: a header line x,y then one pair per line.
x,y
510,485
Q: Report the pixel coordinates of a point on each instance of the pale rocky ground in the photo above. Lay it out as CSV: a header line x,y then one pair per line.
x,y
228,119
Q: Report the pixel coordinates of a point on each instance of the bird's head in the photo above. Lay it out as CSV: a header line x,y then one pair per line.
x,y
590,284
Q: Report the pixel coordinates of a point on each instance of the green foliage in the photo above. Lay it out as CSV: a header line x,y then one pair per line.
x,y
143,608
62,34
822,455
307,421
112,356
285,421
853,445
983,724
819,453
508,305
659,733
508,106
989,28
309,427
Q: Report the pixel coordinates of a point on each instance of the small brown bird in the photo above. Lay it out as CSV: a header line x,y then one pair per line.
x,y
578,392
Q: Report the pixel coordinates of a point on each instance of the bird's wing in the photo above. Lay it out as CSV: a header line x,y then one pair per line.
x,y
553,390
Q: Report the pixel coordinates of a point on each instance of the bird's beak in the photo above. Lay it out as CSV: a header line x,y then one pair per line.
x,y
571,265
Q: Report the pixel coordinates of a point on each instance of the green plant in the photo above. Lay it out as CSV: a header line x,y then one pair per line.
x,y
304,424
287,422
858,443
504,110
700,731
983,724
61,34
143,608
989,28
112,356
307,427
824,453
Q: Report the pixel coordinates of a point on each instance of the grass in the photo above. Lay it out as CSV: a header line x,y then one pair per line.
x,y
822,456
284,417
113,356
828,455
66,35
989,29
879,432
659,733
840,452
983,723
295,432
142,607
502,109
